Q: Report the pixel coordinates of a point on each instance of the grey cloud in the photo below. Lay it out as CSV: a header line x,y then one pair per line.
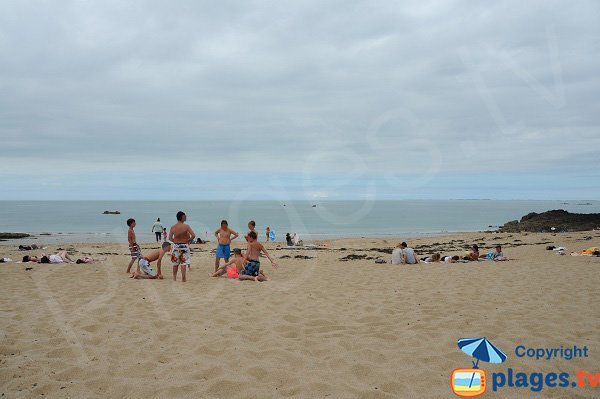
x,y
127,84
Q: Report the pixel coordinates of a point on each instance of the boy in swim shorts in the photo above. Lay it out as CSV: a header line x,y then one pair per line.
x,y
224,236
134,249
251,227
181,235
251,270
145,270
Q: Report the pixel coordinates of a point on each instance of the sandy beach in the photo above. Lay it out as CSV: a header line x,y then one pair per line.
x,y
322,327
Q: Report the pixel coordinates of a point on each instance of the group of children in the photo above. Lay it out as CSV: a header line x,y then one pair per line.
x,y
243,266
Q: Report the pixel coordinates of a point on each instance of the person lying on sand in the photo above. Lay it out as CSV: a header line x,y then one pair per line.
x,y
251,270
450,259
59,257
435,258
89,259
144,269
496,256
30,259
30,247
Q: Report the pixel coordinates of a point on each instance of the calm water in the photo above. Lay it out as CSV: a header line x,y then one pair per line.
x,y
83,221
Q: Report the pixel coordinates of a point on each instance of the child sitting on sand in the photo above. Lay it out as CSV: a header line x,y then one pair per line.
x,y
473,254
233,267
224,236
251,270
144,270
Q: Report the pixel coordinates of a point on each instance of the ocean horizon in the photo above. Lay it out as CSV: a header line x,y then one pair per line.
x,y
84,221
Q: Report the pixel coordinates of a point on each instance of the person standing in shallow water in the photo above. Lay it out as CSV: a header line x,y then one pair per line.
x,y
157,229
268,231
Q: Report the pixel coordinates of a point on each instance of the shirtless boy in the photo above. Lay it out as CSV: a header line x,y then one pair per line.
x,y
252,269
134,249
238,262
181,235
251,227
224,236
144,270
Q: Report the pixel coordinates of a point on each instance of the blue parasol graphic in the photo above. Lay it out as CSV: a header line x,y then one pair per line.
x,y
481,349
272,235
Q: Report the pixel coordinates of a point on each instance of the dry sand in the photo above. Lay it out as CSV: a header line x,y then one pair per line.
x,y
320,328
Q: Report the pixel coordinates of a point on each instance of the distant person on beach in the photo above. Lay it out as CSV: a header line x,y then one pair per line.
x,y
134,248
89,259
473,254
224,236
251,270
181,235
288,240
59,257
268,232
165,234
496,256
402,254
435,258
144,268
157,229
30,259
251,228
236,264
450,259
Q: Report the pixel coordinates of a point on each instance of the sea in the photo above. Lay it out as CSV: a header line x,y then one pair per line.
x,y
84,221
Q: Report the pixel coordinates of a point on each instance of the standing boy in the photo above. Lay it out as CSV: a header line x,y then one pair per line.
x,y
252,269
224,236
181,235
251,227
134,249
268,231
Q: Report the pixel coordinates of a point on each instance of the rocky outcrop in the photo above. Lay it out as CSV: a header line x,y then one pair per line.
x,y
12,236
560,220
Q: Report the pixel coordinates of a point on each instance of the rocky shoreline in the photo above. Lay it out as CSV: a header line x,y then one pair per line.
x,y
13,236
553,221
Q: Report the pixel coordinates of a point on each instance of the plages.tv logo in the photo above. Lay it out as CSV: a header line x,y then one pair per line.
x,y
470,382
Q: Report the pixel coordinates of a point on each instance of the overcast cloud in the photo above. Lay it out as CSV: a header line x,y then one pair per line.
x,y
327,99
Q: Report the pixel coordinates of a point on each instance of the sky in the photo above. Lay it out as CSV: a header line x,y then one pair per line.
x,y
299,100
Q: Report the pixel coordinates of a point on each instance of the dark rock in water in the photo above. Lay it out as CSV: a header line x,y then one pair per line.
x,y
12,236
111,213
556,220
